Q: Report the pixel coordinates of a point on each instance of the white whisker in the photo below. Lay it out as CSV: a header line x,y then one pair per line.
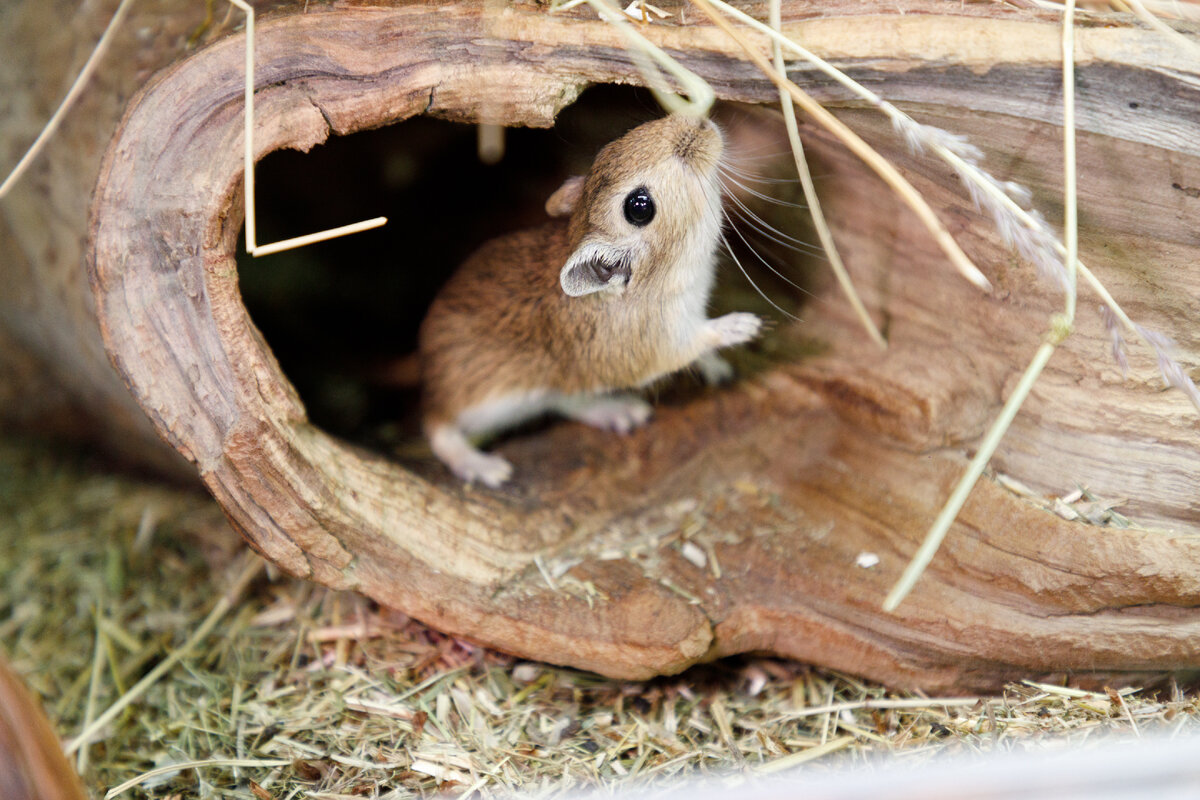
x,y
771,232
727,165
760,195
761,294
741,153
767,264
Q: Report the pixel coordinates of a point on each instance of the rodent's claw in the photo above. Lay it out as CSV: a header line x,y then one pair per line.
x,y
736,328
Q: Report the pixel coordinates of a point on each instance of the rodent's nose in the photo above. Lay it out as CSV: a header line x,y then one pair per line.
x,y
700,138
699,123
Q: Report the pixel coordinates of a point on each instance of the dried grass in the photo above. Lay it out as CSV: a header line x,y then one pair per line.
x,y
305,692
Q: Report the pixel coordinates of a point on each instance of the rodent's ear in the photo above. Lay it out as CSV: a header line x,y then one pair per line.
x,y
565,198
592,268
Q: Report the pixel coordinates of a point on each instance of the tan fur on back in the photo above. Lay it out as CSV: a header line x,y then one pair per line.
x,y
503,325
495,330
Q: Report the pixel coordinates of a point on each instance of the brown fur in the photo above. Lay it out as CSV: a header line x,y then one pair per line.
x,y
503,324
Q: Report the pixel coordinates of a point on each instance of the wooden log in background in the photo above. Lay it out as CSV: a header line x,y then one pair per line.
x,y
53,372
32,764
782,480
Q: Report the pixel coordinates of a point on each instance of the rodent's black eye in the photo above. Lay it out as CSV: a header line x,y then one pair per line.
x,y
639,207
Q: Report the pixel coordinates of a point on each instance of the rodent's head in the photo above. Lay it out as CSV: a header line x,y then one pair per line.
x,y
648,214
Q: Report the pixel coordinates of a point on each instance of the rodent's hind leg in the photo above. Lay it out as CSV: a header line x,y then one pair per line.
x,y
466,461
611,412
714,369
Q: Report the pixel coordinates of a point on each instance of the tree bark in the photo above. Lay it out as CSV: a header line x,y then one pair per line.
x,y
781,481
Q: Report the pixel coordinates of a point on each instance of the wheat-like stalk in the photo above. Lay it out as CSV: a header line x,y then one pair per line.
x,y
1024,230
697,98
824,234
1060,324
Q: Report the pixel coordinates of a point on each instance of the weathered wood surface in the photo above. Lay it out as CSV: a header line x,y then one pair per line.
x,y
54,375
782,480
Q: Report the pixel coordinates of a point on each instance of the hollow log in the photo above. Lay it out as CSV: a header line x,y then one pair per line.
x,y
780,482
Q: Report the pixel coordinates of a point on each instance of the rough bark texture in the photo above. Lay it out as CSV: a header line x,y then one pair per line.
x,y
784,479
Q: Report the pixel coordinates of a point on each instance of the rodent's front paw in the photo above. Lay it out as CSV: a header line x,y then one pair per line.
x,y
736,328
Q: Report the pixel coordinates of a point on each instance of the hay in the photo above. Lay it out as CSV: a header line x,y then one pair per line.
x,y
304,692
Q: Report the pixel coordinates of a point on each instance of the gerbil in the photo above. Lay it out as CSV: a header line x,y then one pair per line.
x,y
563,317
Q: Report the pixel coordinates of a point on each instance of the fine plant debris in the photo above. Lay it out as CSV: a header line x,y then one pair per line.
x,y
299,691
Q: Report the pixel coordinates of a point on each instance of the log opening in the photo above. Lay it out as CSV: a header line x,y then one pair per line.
x,y
342,317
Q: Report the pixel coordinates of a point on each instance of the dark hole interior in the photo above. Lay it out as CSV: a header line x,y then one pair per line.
x,y
337,314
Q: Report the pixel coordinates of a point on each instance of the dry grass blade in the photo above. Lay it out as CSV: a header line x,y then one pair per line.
x,y
171,769
1174,9
892,704
1060,329
805,756
810,195
73,93
958,497
490,135
89,713
252,246
1070,195
647,55
252,565
1151,19
855,144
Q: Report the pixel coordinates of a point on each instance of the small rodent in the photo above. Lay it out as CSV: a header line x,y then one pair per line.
x,y
563,317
